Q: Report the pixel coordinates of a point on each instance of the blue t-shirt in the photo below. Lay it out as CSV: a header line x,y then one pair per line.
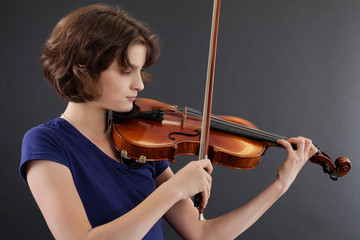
x,y
108,189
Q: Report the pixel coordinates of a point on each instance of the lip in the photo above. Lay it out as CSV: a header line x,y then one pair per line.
x,y
132,98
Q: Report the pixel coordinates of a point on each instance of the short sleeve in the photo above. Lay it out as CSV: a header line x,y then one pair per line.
x,y
42,143
160,167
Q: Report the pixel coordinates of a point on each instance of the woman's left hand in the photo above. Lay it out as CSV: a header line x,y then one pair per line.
x,y
295,160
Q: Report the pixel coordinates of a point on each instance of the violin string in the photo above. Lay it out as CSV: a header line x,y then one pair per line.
x,y
228,126
231,127
248,129
246,132
242,130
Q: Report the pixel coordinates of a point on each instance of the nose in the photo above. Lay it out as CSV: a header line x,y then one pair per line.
x,y
138,83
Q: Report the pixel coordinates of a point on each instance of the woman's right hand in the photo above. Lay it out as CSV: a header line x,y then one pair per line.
x,y
192,179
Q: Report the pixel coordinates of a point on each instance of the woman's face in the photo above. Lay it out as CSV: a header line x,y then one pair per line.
x,y
120,86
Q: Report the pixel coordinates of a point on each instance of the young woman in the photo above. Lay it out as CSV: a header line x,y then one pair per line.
x,y
95,59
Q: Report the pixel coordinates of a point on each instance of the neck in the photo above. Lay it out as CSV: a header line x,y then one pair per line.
x,y
89,120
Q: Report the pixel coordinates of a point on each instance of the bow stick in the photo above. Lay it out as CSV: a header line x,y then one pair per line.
x,y
205,128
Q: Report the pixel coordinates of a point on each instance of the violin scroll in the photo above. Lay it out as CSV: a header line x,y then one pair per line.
x,y
341,167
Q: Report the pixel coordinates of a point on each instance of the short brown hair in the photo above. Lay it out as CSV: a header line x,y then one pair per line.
x,y
85,42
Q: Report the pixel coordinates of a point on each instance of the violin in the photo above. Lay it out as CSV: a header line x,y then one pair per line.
x,y
156,131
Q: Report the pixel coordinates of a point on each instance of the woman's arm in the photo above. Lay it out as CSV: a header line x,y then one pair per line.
x,y
183,216
53,188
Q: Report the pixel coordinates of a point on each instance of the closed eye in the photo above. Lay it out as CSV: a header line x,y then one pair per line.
x,y
129,71
126,72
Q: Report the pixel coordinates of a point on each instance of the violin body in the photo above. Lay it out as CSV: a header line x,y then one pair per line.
x,y
178,135
165,132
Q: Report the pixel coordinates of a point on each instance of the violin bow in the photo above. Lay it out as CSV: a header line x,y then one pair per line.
x,y
205,127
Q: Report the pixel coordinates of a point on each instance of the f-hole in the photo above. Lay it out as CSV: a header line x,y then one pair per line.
x,y
197,133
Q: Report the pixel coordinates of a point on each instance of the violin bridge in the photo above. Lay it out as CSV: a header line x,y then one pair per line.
x,y
184,116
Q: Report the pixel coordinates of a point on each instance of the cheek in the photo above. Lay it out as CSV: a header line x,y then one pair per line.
x,y
113,86
113,94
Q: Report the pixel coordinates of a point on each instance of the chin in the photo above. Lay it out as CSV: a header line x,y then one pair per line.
x,y
124,109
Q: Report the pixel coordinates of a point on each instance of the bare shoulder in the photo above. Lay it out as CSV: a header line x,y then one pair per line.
x,y
44,169
52,186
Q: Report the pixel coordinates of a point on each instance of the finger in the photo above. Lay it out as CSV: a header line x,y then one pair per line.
x,y
206,164
204,201
311,148
209,179
206,189
285,144
205,195
308,144
300,144
207,184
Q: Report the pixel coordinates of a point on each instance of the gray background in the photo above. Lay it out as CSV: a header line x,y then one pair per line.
x,y
289,66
